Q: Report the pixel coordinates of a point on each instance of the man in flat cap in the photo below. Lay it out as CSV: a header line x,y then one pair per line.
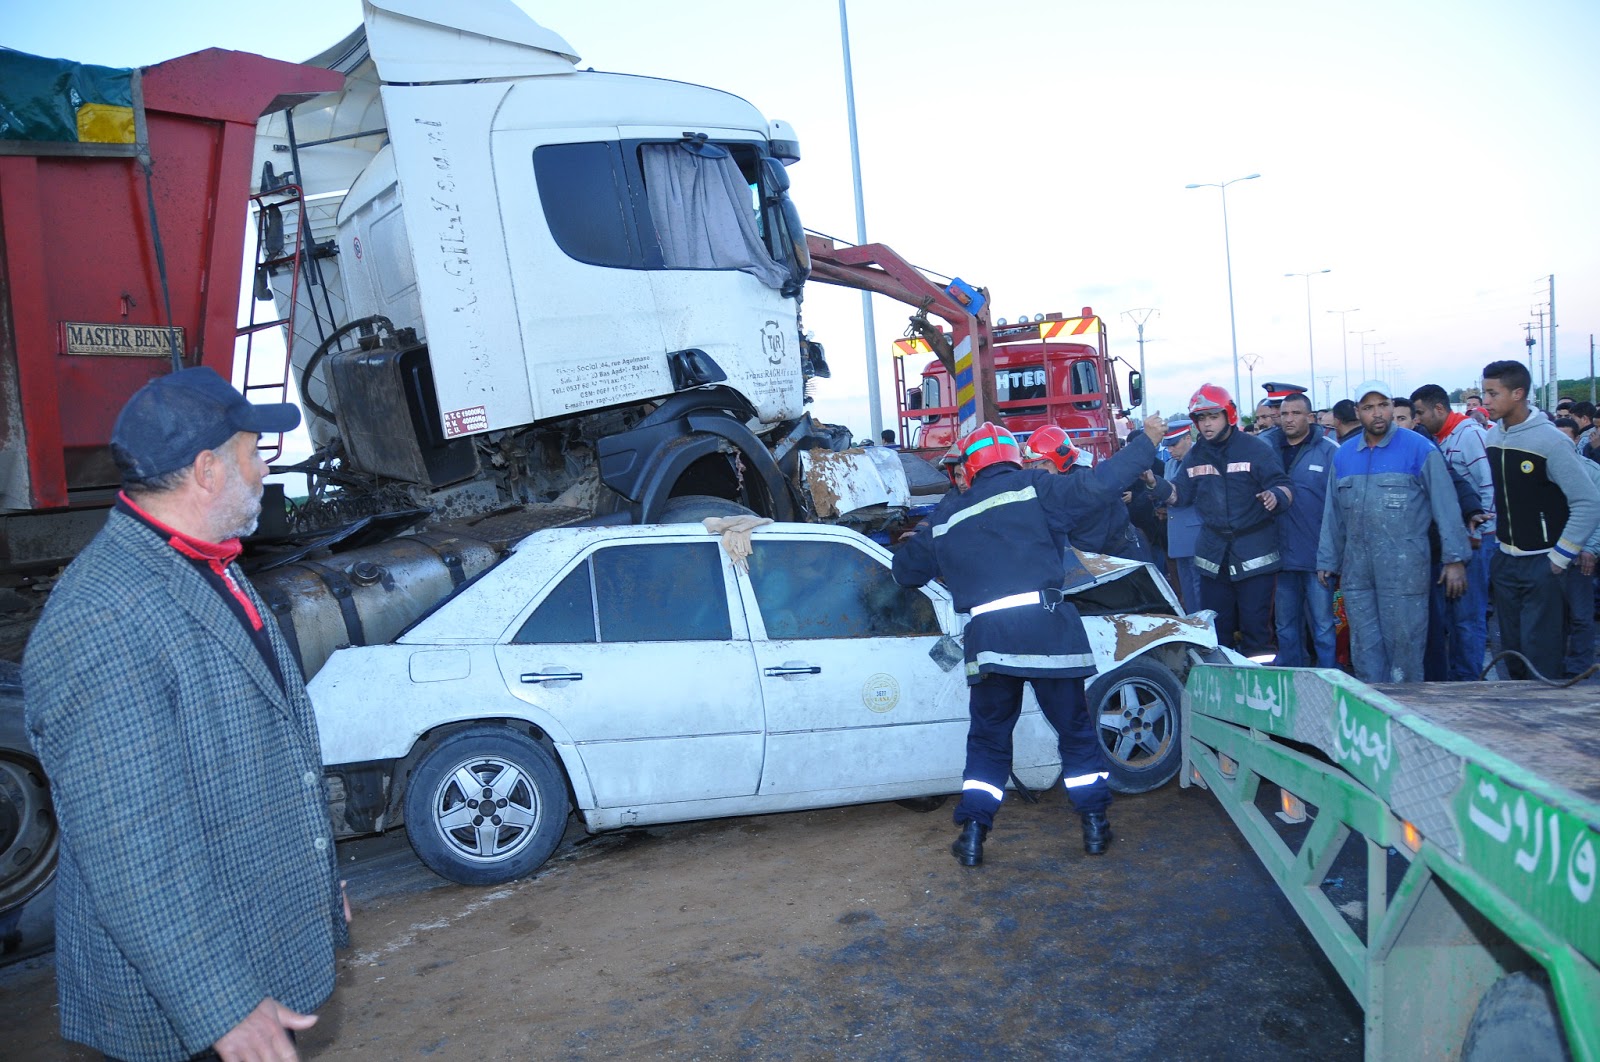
x,y
197,901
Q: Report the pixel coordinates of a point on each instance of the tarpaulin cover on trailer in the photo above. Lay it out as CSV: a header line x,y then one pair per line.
x,y
62,101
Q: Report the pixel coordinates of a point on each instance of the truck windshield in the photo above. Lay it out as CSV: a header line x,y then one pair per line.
x,y
1020,385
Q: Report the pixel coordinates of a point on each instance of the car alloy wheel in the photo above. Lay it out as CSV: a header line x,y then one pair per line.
x,y
486,805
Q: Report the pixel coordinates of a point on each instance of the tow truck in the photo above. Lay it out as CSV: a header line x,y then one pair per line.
x,y
1050,369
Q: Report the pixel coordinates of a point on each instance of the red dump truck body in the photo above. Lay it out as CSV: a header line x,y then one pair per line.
x,y
83,312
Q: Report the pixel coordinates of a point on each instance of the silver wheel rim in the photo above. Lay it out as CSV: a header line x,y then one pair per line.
x,y
1136,724
486,809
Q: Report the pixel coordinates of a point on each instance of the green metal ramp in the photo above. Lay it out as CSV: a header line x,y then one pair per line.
x,y
1478,806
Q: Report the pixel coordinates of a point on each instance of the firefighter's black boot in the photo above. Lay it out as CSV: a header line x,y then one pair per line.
x,y
968,847
1096,832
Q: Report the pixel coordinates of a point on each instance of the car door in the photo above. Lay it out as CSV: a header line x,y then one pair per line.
x,y
636,651
853,698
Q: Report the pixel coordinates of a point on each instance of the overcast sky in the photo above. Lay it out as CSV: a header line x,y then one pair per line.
x,y
1439,158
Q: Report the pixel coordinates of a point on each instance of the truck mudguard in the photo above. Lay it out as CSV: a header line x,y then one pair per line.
x,y
645,463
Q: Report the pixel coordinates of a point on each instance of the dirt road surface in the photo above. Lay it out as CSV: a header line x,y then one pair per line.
x,y
847,933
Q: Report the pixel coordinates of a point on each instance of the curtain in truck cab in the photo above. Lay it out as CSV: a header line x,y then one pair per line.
x,y
703,215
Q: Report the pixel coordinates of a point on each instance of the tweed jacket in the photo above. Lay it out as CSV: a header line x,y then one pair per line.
x,y
197,871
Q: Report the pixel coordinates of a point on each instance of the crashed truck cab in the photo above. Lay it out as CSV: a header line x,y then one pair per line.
x,y
558,285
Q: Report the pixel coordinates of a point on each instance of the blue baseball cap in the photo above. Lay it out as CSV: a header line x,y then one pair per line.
x,y
171,419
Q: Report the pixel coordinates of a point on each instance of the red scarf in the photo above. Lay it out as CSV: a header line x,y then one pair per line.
x,y
216,555
1450,424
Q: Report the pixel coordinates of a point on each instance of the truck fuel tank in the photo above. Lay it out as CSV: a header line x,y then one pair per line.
x,y
369,595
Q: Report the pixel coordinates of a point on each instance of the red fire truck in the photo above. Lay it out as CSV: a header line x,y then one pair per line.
x,y
1050,369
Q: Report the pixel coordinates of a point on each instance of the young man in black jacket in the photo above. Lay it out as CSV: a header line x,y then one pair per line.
x,y
1546,508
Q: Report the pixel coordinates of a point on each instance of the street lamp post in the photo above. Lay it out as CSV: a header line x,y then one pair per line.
x,y
1363,333
874,407
1345,338
1311,347
1380,364
1227,254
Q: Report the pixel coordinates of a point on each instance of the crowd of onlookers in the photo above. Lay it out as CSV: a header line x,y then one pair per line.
x,y
1384,533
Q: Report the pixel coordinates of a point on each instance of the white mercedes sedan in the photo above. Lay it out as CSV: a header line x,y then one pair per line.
x,y
640,675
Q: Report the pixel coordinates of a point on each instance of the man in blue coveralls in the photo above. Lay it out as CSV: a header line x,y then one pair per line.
x,y
1389,484
1021,628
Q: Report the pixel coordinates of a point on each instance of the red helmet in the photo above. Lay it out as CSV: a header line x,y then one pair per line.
x,y
1211,398
988,445
1053,443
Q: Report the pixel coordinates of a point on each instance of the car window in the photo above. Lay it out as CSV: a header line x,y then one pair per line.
x,y
565,615
832,590
661,592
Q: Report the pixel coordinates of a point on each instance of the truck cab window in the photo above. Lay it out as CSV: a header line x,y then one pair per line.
x,y
830,590
700,208
680,205
584,191
1086,381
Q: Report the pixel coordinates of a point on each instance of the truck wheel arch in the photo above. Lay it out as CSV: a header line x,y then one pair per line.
x,y
643,465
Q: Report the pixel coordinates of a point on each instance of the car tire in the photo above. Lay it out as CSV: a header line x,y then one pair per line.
x,y
1136,712
29,834
442,809
1516,1018
692,508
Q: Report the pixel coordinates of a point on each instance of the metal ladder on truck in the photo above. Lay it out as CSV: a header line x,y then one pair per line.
x,y
1475,811
283,230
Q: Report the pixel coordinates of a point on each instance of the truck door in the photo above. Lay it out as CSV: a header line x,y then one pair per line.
x,y
591,330
662,703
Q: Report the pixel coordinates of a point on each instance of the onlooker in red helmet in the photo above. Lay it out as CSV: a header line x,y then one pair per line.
x,y
1022,628
1238,485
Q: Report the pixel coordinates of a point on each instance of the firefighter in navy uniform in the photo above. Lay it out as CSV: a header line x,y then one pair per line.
x,y
1237,484
998,546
